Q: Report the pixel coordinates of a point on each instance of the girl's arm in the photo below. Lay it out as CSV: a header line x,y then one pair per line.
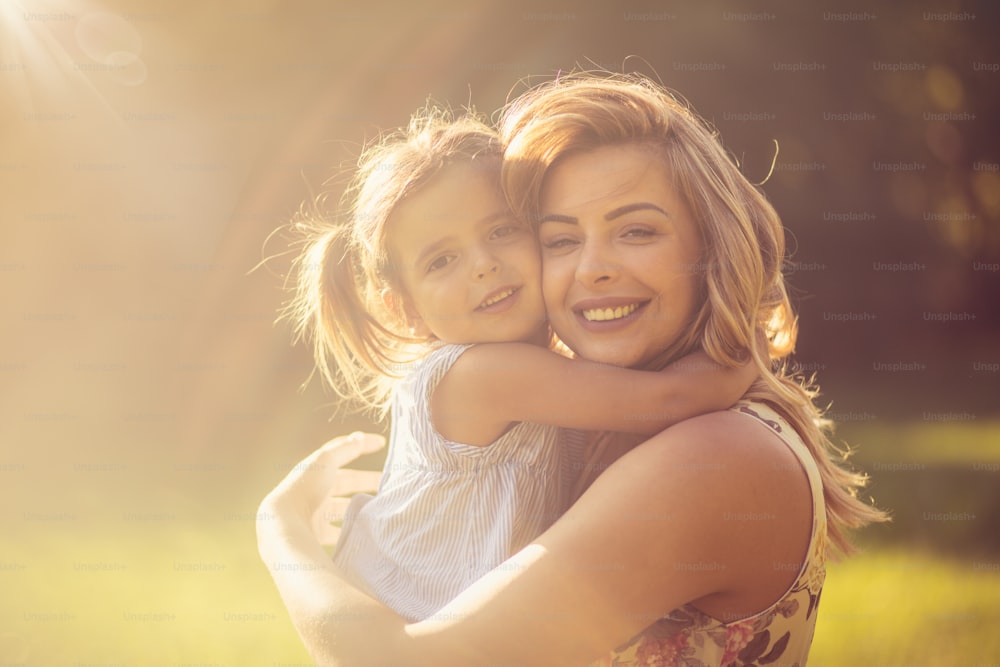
x,y
491,385
625,554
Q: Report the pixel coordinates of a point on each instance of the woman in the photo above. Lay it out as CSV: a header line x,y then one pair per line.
x,y
703,545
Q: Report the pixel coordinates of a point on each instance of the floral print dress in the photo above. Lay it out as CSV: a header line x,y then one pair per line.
x,y
779,636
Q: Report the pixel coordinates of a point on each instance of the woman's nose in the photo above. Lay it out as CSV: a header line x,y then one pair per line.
x,y
598,264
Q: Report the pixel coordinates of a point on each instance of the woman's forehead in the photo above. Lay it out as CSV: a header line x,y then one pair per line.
x,y
605,175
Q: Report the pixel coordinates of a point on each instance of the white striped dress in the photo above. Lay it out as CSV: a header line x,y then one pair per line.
x,y
446,513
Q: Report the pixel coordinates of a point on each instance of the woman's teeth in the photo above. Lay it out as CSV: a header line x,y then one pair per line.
x,y
499,297
605,314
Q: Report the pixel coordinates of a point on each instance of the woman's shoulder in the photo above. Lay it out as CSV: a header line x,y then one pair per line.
x,y
752,464
730,470
725,436
741,512
750,445
721,459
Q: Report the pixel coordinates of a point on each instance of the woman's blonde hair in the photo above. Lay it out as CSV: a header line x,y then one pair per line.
x,y
740,274
359,337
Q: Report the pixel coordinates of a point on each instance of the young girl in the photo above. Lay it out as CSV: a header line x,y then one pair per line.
x,y
427,299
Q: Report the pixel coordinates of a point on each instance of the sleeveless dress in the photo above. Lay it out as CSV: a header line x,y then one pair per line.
x,y
779,635
446,513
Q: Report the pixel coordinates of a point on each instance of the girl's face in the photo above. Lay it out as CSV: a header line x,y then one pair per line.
x,y
469,270
620,255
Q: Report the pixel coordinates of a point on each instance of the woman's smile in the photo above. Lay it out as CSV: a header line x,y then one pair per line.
x,y
608,311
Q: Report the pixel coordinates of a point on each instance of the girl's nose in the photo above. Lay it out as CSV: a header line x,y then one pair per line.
x,y
485,265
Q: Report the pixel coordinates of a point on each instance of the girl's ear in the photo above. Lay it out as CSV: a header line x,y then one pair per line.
x,y
400,306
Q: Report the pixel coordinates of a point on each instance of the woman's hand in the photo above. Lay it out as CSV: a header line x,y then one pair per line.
x,y
292,524
318,488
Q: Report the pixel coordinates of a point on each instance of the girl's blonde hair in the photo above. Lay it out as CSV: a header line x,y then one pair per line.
x,y
359,336
742,286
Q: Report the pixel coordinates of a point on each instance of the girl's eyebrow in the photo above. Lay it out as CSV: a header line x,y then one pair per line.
x,y
496,215
558,218
434,246
610,215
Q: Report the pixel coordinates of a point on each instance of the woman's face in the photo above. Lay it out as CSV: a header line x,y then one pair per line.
x,y
620,255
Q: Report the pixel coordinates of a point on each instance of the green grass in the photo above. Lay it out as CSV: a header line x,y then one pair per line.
x,y
173,597
193,592
885,607
926,592
898,607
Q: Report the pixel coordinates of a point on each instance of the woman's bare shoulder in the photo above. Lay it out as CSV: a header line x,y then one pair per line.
x,y
709,469
730,462
737,496
732,440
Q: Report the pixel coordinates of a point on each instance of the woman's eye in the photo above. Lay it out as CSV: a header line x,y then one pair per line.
x,y
638,233
557,243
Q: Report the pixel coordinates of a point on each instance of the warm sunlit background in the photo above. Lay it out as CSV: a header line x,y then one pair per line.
x,y
148,402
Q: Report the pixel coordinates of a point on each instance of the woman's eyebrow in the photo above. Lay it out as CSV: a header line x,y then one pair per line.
x,y
629,208
610,215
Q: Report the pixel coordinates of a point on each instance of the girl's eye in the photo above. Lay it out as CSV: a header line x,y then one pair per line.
x,y
503,231
440,263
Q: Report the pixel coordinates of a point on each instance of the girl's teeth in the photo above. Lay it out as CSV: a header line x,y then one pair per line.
x,y
498,297
605,314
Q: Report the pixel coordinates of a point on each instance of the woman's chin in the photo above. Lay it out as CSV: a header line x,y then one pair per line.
x,y
606,352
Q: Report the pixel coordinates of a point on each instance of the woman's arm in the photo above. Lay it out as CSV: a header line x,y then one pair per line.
x,y
494,384
660,528
322,605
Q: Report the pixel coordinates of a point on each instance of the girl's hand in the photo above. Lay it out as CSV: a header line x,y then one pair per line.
x,y
318,488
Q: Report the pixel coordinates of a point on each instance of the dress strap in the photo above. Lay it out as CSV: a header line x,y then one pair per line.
x,y
812,570
768,416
